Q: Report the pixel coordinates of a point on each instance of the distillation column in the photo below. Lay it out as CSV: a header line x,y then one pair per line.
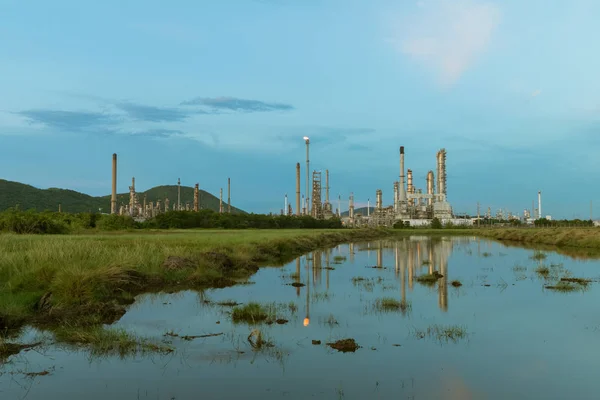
x,y
298,206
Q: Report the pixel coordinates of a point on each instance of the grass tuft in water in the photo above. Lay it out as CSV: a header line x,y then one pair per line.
x,y
339,259
456,283
443,333
252,313
107,341
538,255
390,304
542,270
429,279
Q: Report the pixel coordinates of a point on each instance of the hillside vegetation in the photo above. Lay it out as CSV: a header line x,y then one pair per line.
x,y
29,197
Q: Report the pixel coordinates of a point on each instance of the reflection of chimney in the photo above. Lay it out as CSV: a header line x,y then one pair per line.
x,y
196,197
380,255
402,196
298,207
297,276
113,197
229,195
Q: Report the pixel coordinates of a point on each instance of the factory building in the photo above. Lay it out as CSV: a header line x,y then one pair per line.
x,y
410,205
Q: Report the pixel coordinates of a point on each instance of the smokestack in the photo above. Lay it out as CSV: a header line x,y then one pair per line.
x,y
298,206
441,172
402,188
178,194
540,204
395,196
113,197
229,195
196,197
221,202
351,206
307,194
430,187
339,210
378,200
410,188
327,186
285,207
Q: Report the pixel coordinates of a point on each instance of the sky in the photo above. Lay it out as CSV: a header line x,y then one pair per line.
x,y
205,90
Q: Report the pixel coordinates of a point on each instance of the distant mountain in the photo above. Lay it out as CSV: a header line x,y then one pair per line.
x,y
29,197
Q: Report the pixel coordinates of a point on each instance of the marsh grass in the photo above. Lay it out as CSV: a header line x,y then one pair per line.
x,y
339,259
543,271
102,341
89,278
486,254
256,313
442,333
429,279
456,283
389,304
538,255
566,287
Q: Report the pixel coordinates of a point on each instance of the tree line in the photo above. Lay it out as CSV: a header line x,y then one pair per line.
x,y
47,222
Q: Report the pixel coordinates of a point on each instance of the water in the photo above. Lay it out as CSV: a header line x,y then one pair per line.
x,y
523,341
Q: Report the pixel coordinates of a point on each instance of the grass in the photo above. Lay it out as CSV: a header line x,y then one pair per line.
x,y
443,333
106,341
429,279
388,304
87,279
256,313
543,271
538,255
456,283
566,287
339,259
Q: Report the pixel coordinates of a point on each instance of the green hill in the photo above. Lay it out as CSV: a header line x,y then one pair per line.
x,y
361,210
29,197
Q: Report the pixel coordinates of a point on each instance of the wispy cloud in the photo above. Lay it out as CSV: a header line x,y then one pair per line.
x,y
448,35
234,104
150,133
154,114
536,93
68,120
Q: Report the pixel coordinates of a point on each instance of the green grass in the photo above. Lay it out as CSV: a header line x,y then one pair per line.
x,y
252,313
429,279
443,333
89,279
388,304
543,270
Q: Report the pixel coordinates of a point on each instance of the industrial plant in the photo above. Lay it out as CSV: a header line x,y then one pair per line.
x,y
144,210
411,205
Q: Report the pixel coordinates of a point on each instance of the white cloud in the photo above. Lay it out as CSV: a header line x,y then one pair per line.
x,y
447,35
536,92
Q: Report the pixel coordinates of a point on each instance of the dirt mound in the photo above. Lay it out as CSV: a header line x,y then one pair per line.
x,y
174,263
344,345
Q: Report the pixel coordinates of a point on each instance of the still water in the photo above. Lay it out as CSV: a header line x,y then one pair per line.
x,y
521,340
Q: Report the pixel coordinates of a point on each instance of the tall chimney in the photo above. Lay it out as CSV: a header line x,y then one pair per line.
x,y
396,196
351,206
229,195
402,188
285,207
298,206
430,187
540,205
221,202
378,199
410,189
113,197
327,186
197,197
178,194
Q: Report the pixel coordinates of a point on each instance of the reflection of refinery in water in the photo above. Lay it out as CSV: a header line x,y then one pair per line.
x,y
412,257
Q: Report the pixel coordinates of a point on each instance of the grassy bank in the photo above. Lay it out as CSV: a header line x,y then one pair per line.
x,y
582,238
85,280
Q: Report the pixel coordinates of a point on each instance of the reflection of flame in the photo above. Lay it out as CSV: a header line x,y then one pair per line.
x,y
306,321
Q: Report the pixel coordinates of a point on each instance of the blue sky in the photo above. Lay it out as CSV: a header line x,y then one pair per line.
x,y
205,90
